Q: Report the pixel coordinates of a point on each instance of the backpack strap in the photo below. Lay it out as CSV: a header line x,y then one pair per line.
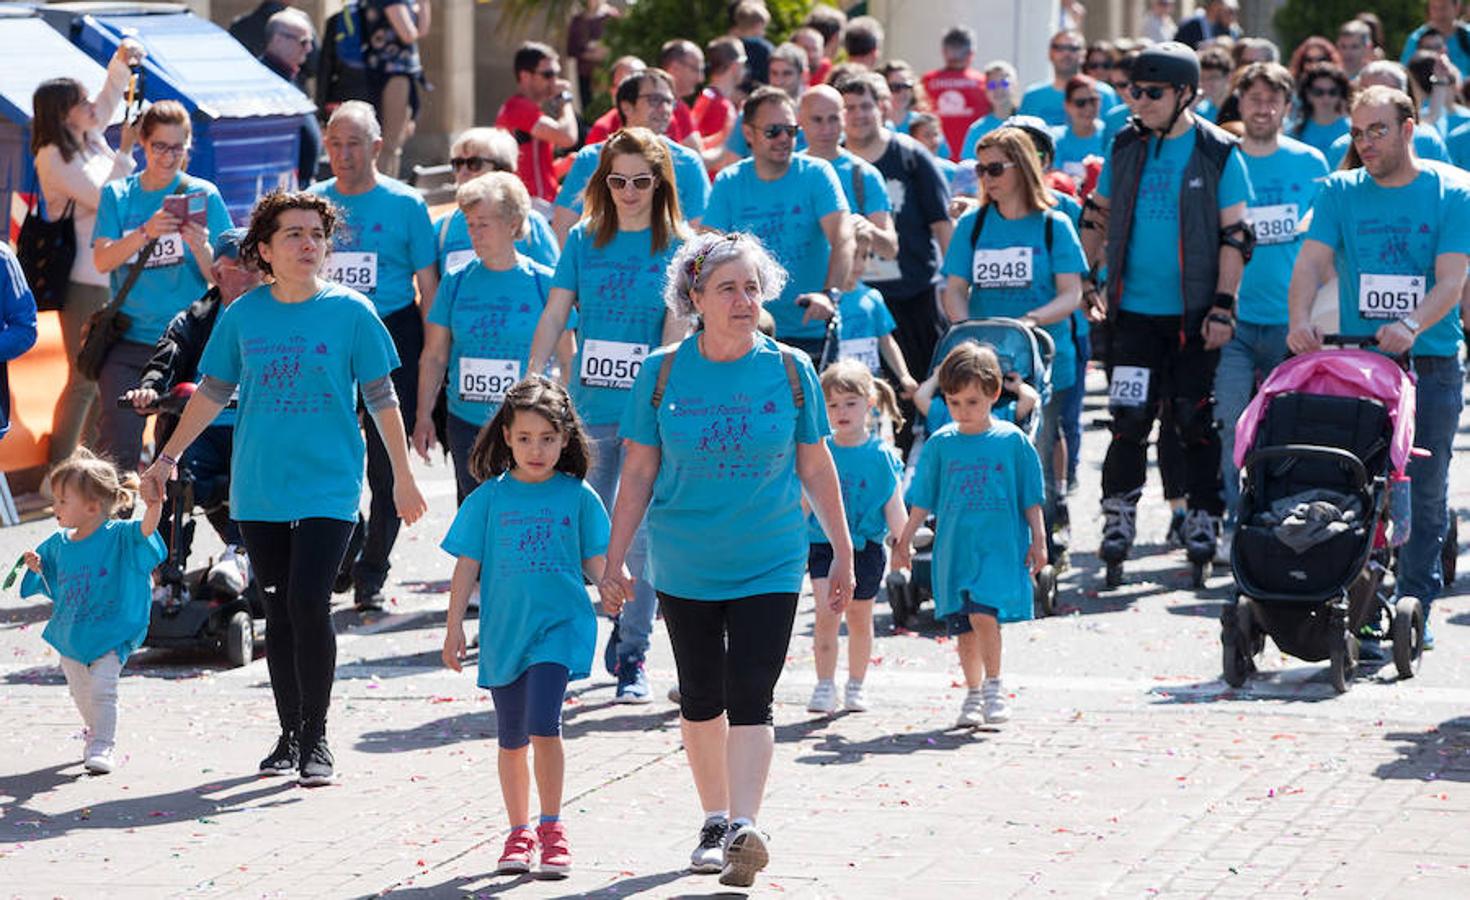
x,y
1049,223
664,367
1462,38
788,359
978,227
859,189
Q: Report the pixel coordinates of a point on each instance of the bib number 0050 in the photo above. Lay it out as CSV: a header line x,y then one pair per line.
x,y
611,364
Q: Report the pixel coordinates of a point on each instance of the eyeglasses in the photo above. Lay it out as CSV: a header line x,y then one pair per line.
x,y
1084,101
473,163
772,132
168,149
1324,92
1001,85
993,170
1067,48
896,86
1153,92
640,183
1375,132
548,74
1105,65
657,99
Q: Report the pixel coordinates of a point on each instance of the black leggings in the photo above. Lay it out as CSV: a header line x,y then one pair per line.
x,y
729,654
294,564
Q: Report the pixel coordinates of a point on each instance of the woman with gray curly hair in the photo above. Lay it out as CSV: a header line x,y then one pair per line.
x,y
725,430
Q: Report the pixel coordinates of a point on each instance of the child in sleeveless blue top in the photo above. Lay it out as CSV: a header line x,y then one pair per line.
x,y
528,534
96,572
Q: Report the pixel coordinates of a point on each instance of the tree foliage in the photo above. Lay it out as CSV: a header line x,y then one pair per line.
x,y
1300,19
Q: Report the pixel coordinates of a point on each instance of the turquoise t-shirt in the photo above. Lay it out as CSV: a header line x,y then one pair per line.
x,y
385,237
977,130
875,188
620,306
979,487
1114,121
1011,273
865,320
1152,283
736,144
531,541
1284,184
1427,145
1321,137
938,415
491,317
1458,144
1068,206
298,449
691,181
171,278
786,215
1396,232
1050,104
99,588
455,248
1072,149
1454,45
725,519
869,474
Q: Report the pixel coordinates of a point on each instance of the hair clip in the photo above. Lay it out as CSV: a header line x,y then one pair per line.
x,y
697,263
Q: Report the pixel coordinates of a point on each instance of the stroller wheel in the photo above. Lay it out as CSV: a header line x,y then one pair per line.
x,y
1407,634
1200,572
1044,593
1342,659
1237,642
899,588
240,639
1114,576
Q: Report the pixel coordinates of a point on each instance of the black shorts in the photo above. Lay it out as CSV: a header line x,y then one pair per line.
x,y
867,567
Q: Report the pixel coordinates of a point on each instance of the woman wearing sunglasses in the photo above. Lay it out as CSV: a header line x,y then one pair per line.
x,y
474,153
612,270
907,98
1016,256
1322,101
1083,135
1003,90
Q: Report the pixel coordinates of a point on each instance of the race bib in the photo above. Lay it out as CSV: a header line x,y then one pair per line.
x,y
864,350
611,364
1008,268
169,251
487,380
1389,296
879,269
1274,224
1129,386
457,258
354,269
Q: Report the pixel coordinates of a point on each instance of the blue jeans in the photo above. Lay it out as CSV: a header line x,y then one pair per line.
x,y
635,624
462,437
1255,350
1440,397
1070,401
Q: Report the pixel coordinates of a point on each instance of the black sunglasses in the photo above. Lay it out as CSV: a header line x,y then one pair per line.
x,y
1153,92
1105,65
473,163
774,131
994,170
1084,101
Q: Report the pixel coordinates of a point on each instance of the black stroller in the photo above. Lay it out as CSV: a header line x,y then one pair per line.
x,y
1320,448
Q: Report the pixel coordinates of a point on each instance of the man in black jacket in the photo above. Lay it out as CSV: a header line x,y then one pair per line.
x,y
176,361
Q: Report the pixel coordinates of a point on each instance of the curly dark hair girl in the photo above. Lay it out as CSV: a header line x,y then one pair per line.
x,y
265,219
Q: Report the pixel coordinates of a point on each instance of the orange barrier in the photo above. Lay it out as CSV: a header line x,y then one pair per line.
x,y
36,380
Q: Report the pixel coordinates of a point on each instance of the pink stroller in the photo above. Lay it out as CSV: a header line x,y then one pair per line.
x,y
1321,448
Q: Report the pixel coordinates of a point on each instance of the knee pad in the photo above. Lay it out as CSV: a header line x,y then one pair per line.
x,y
1194,420
1131,423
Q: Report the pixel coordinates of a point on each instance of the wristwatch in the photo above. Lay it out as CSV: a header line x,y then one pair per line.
x,y
834,294
1410,323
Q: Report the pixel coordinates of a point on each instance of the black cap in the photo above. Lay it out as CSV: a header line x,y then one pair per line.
x,y
1036,129
1168,63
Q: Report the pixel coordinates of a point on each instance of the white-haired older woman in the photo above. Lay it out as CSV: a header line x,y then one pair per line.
x,y
725,430
474,153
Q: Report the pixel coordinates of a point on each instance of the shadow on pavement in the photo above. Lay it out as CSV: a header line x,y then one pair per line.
x,y
834,749
1301,684
21,616
19,823
1441,753
471,726
492,885
1207,610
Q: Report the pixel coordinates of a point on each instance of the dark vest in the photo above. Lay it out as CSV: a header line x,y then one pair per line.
x,y
1199,215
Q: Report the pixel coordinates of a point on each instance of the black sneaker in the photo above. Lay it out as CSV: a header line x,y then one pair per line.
x,y
369,600
284,759
316,763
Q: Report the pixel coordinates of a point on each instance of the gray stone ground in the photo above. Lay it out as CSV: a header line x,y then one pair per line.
x,y
1130,770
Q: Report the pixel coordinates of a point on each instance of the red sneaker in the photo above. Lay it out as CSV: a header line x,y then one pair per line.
x,y
556,856
515,859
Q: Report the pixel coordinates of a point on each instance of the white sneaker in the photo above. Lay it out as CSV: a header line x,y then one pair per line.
x,y
99,761
709,857
746,853
853,699
997,710
231,573
972,711
824,698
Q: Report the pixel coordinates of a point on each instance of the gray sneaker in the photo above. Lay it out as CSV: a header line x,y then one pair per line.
x,y
709,857
972,711
746,854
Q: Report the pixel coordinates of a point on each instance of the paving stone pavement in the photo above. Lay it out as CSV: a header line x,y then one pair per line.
x,y
1129,769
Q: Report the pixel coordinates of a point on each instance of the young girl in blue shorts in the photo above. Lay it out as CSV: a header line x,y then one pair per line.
x,y
982,480
527,534
96,572
868,469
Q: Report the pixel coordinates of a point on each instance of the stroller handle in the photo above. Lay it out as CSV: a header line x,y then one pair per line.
x,y
1349,340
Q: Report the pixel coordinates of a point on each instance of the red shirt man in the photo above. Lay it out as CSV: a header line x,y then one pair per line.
x,y
538,83
957,91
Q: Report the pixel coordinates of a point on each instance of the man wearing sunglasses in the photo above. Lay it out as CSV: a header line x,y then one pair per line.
x,y
1168,217
289,39
957,90
1393,230
645,100
1048,99
795,205
474,153
540,116
788,72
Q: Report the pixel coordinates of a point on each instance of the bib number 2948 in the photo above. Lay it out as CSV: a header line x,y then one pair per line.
x,y
1129,386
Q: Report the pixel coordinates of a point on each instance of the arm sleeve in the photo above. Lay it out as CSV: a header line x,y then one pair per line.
x,y
218,216
1235,182
595,527
826,190
575,182
379,394
145,552
876,190
1027,466
958,257
62,182
931,187
1454,237
109,216
519,113
32,584
882,317
692,184
1326,224
443,308
718,213
466,536
541,243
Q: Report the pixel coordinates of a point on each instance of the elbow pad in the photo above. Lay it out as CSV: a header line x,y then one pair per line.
x,y
1092,214
1240,236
